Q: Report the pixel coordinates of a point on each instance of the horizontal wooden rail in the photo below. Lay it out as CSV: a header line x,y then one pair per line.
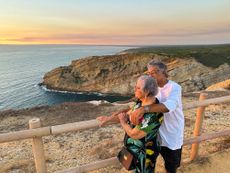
x,y
92,166
205,137
46,131
77,126
84,125
113,161
207,102
24,134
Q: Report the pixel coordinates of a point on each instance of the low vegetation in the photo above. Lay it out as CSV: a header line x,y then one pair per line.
x,y
209,55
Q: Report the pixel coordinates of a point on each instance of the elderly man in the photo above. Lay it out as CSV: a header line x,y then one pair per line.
x,y
172,128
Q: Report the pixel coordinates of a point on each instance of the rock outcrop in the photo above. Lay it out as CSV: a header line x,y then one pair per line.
x,y
224,85
117,74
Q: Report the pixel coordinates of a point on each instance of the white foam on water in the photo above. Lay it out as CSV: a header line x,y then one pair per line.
x,y
98,102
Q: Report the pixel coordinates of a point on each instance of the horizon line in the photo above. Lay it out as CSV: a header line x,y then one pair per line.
x,y
120,45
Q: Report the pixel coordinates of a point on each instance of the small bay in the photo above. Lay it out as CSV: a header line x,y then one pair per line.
x,y
22,68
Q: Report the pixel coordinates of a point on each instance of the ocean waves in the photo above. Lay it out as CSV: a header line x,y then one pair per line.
x,y
22,69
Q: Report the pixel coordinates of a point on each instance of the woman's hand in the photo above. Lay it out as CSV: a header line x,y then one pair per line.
x,y
136,115
123,118
103,120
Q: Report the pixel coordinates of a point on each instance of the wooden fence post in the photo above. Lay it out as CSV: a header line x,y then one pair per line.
x,y
37,146
198,126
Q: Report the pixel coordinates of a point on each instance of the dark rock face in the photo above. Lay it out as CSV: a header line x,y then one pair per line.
x,y
117,74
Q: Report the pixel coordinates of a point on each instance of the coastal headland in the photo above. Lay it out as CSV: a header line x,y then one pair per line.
x,y
116,74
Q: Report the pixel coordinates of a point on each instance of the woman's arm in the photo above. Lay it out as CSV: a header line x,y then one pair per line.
x,y
105,120
133,133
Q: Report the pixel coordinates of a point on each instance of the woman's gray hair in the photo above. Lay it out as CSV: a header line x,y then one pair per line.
x,y
162,67
150,85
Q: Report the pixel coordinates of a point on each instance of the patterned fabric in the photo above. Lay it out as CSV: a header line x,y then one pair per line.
x,y
146,149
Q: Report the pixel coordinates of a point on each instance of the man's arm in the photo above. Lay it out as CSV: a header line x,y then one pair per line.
x,y
138,113
169,105
155,108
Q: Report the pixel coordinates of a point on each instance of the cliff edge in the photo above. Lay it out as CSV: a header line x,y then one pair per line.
x,y
117,74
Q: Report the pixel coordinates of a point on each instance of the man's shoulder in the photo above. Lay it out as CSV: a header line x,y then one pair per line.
x,y
174,84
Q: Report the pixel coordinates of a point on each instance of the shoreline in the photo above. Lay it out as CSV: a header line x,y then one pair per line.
x,y
50,89
195,94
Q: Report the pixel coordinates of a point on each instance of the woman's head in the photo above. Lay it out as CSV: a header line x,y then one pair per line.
x,y
146,86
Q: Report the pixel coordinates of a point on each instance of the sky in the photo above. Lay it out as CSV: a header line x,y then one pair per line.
x,y
115,22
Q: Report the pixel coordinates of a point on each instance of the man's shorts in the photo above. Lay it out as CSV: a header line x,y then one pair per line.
x,y
172,158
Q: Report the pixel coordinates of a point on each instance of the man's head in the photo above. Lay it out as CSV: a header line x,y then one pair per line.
x,y
157,70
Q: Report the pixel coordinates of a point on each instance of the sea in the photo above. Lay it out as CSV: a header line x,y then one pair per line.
x,y
22,68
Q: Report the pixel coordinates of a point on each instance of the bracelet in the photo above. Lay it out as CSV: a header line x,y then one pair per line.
x,y
147,109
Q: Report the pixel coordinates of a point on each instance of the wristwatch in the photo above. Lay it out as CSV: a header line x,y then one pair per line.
x,y
147,109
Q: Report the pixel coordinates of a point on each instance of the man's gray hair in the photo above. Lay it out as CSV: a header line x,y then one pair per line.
x,y
162,66
150,85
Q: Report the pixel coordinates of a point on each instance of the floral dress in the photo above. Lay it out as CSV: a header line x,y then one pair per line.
x,y
147,149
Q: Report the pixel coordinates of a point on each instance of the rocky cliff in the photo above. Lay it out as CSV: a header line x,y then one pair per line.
x,y
117,74
224,85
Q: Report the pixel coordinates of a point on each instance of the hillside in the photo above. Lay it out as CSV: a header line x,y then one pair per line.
x,y
116,74
208,55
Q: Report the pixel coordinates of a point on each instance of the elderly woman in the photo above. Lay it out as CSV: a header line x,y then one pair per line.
x,y
141,140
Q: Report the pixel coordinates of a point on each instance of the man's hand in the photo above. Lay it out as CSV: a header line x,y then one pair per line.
x,y
136,115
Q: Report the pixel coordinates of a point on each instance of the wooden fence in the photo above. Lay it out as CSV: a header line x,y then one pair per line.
x,y
36,132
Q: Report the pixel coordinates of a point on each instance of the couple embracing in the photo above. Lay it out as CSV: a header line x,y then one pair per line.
x,y
155,123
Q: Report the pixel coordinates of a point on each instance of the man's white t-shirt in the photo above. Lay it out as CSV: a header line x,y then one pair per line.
x,y
172,129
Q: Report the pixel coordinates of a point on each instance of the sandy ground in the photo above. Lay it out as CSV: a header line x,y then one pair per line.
x,y
214,163
78,148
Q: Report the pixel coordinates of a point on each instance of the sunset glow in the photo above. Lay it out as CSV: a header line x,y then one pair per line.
x,y
130,22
